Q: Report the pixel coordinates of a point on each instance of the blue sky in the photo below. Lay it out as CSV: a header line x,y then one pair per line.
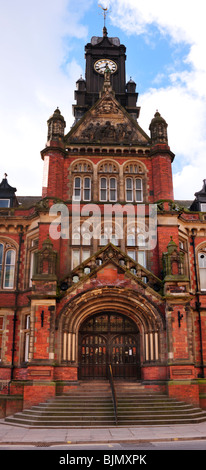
x,y
42,56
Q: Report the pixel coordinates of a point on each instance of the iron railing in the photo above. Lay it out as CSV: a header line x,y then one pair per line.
x,y
114,397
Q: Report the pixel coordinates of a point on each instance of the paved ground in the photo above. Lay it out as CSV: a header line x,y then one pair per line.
x,y
24,435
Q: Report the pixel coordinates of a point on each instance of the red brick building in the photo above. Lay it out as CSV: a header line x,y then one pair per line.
x,y
81,287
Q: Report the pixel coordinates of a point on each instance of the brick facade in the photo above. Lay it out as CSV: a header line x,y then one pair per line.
x,y
60,283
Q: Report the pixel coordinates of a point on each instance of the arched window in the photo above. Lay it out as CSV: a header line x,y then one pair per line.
x,y
108,182
103,189
113,189
202,270
138,190
134,182
129,189
82,188
136,244
7,266
87,189
80,240
77,188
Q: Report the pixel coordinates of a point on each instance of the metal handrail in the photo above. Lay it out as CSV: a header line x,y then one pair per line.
x,y
114,397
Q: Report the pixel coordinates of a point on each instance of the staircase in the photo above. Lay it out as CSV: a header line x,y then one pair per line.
x,y
91,405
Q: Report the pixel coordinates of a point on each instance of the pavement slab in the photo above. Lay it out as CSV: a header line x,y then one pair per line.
x,y
19,434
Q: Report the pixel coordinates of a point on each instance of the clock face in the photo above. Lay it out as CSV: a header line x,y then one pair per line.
x,y
101,64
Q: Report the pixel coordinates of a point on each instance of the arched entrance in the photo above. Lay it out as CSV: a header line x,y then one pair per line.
x,y
109,338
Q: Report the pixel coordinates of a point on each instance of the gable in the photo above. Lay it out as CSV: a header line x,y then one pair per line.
x,y
107,122
117,269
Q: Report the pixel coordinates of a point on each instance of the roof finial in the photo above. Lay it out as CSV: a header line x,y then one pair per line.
x,y
104,13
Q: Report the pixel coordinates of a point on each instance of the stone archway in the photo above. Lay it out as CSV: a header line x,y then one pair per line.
x,y
128,303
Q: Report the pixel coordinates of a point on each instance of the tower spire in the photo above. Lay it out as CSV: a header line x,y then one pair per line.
x,y
104,13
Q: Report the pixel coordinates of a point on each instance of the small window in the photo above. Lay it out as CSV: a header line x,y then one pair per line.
x,y
129,189
202,270
1,335
138,190
87,189
79,256
103,189
132,254
4,202
131,239
75,258
203,207
141,258
77,189
26,333
85,254
113,189
7,267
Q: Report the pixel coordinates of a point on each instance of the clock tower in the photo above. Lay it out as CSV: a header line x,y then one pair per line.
x,y
100,53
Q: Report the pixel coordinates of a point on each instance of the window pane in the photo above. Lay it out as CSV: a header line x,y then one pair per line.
x,y
77,188
103,240
103,183
75,258
1,260
1,323
87,196
85,254
138,183
113,192
138,190
9,269
202,270
1,345
129,183
129,190
132,254
76,239
4,202
202,260
10,257
9,276
103,189
130,240
87,190
86,239
114,240
112,183
142,258
1,253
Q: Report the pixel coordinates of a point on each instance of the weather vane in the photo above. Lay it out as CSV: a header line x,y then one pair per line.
x,y
104,13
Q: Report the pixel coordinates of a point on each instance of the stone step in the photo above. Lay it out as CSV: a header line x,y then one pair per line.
x,y
91,405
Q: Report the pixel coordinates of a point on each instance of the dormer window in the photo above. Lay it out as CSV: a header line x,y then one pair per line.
x,y
4,202
7,194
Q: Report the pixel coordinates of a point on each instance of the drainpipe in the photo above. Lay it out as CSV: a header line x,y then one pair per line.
x,y
16,307
198,304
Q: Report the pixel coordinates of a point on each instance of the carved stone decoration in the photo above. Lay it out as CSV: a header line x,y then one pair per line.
x,y
45,261
173,261
107,122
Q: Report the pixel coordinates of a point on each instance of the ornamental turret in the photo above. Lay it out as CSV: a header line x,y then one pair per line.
x,y
158,129
56,126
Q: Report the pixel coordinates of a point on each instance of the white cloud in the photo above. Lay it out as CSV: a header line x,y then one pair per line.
x,y
38,73
183,102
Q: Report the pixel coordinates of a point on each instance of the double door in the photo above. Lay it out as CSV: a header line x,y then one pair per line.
x,y
117,344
